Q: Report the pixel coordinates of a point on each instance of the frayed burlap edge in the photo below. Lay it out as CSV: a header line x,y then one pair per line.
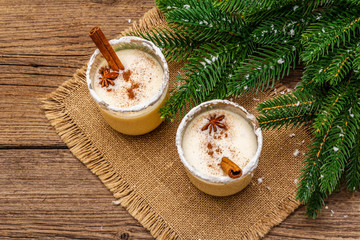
x,y
87,153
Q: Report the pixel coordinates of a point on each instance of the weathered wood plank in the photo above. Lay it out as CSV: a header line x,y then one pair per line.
x,y
48,193
46,41
22,122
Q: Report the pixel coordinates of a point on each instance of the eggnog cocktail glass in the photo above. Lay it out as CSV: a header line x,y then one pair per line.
x,y
213,139
131,106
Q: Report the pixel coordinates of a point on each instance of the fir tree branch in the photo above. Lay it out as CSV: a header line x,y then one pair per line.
x,y
284,28
334,29
353,167
308,189
175,46
356,61
335,67
314,203
250,6
296,109
338,147
168,5
201,21
333,105
261,69
202,73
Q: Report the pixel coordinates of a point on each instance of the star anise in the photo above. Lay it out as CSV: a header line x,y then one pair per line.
x,y
214,123
107,77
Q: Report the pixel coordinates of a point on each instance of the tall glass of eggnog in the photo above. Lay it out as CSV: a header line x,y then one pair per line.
x,y
219,143
130,100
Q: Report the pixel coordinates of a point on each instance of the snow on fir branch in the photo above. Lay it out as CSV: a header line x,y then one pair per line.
x,y
234,47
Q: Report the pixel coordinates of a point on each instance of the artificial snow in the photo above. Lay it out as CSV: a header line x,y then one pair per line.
x,y
292,32
326,207
336,149
116,202
296,181
186,6
260,180
280,61
129,20
351,114
296,153
295,7
292,135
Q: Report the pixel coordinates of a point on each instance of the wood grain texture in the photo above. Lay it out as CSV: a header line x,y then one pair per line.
x,y
45,192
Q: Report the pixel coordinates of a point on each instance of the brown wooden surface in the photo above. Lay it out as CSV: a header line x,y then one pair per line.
x,y
45,192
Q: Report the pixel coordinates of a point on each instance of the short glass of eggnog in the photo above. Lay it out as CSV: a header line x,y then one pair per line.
x,y
130,101
219,143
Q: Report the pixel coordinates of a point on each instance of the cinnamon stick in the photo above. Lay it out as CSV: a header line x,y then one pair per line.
x,y
105,48
231,169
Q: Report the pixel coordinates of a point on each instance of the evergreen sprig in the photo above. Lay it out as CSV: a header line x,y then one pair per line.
x,y
261,69
235,46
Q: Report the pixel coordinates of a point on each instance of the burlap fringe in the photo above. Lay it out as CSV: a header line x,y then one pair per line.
x,y
84,150
261,228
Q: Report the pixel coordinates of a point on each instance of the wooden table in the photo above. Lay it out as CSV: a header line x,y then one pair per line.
x,y
45,192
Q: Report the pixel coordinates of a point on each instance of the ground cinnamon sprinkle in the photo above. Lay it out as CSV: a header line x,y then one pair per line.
x,y
130,90
126,75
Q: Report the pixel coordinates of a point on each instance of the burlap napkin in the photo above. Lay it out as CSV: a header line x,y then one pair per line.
x,y
145,173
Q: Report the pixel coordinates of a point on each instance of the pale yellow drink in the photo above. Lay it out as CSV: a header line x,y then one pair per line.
x,y
201,150
132,104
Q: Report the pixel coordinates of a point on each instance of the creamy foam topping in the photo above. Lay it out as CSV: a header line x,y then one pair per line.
x,y
144,83
204,150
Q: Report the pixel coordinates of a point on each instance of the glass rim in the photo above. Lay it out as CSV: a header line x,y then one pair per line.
x,y
139,107
250,166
